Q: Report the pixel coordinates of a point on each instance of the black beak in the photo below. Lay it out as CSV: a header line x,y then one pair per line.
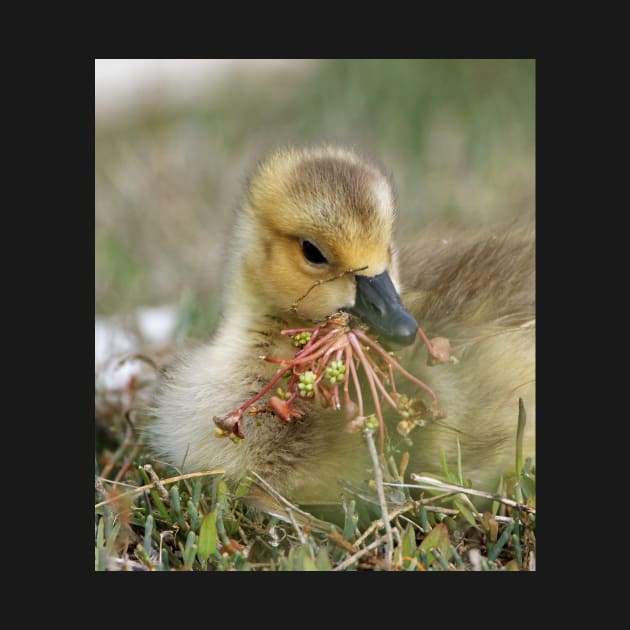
x,y
379,305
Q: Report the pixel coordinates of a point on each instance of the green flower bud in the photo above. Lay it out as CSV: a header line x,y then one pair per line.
x,y
301,339
307,377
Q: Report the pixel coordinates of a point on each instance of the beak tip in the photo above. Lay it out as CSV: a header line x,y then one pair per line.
x,y
404,332
379,305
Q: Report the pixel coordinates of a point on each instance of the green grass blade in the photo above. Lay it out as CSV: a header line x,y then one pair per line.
x,y
351,519
148,531
190,550
520,431
437,539
458,559
445,469
409,542
528,486
441,559
195,519
307,563
100,533
495,504
465,510
99,560
424,521
460,475
495,550
208,536
197,485
176,508
223,496
516,543
323,561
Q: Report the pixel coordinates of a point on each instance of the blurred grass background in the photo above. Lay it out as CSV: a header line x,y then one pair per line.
x,y
456,135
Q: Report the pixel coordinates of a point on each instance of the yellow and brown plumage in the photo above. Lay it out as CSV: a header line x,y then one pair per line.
x,y
313,214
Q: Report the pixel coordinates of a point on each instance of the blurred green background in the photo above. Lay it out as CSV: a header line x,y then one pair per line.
x,y
456,135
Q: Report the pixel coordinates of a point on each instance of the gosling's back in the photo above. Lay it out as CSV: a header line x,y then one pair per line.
x,y
478,290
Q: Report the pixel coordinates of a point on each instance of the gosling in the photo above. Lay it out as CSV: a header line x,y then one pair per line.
x,y
310,215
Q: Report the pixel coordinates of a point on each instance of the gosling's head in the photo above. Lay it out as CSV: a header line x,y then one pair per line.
x,y
324,217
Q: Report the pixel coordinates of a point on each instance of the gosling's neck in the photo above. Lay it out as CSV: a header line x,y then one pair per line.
x,y
250,327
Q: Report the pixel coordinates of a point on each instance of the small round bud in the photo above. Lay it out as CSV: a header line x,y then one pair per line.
x,y
301,339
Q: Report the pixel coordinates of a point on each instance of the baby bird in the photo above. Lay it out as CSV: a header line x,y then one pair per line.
x,y
313,237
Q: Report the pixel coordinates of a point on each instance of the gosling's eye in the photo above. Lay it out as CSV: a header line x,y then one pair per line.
x,y
312,253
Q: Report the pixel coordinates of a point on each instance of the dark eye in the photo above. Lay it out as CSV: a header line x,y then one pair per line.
x,y
312,253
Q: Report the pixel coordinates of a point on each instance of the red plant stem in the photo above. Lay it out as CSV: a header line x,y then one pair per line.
x,y
375,366
338,356
301,358
370,376
326,394
334,332
279,374
392,382
292,381
323,362
415,380
356,348
311,340
335,397
346,380
427,343
387,397
363,337
319,368
355,380
291,362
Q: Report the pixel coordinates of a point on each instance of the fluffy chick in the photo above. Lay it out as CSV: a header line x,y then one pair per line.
x,y
314,214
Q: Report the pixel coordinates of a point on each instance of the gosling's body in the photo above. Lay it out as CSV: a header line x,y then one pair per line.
x,y
478,292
